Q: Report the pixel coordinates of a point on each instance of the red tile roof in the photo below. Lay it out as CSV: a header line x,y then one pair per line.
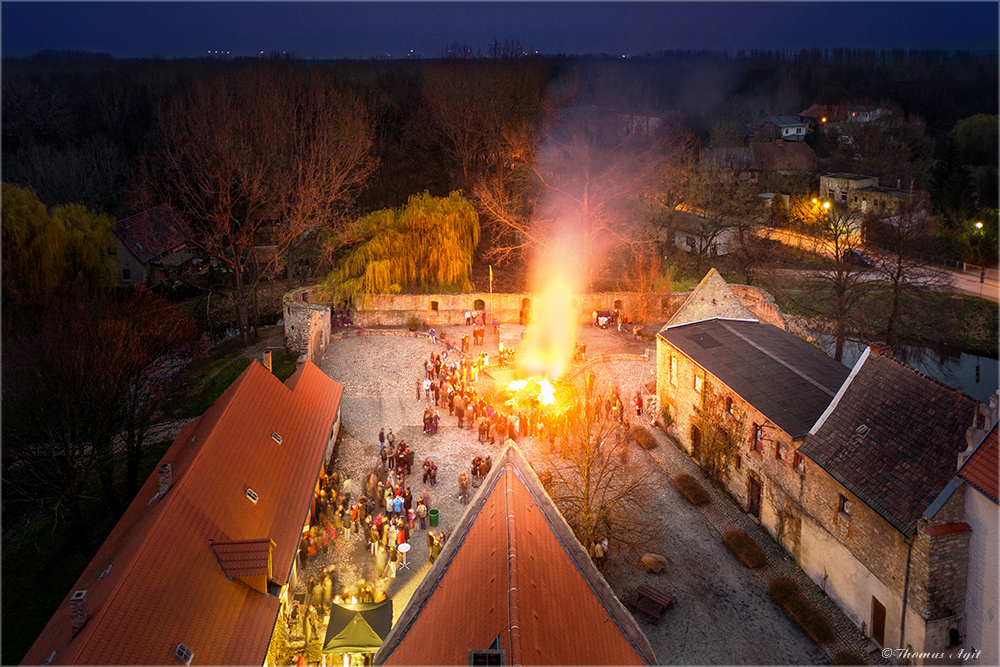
x,y
165,584
151,234
244,558
981,469
514,570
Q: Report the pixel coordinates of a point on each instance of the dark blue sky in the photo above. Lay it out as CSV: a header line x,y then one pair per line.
x,y
367,29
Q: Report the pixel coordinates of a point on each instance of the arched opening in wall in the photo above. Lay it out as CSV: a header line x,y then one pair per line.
x,y
525,315
665,305
617,304
434,306
479,305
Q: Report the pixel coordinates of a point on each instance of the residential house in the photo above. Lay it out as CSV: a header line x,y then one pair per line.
x,y
151,245
702,234
785,166
513,586
819,115
789,128
837,187
199,567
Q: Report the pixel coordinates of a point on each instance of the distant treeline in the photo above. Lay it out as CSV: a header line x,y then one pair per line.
x,y
76,125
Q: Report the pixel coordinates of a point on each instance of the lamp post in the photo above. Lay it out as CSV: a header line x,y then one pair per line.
x,y
979,254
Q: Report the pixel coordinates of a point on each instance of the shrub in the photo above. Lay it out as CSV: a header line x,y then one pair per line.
x,y
668,419
412,323
643,437
847,658
743,546
691,489
786,593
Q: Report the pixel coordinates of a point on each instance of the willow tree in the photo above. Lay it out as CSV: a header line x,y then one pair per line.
x,y
424,246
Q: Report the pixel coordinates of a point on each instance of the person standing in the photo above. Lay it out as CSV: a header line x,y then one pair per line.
x,y
421,513
430,546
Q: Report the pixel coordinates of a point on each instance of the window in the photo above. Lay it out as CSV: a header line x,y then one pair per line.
x,y
127,275
252,496
757,439
698,383
730,407
673,371
434,306
486,657
738,463
844,506
799,463
780,451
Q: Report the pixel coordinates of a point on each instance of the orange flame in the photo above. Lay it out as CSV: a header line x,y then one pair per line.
x,y
551,334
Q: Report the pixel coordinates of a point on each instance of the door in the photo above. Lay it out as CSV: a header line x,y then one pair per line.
x,y
878,622
753,499
695,443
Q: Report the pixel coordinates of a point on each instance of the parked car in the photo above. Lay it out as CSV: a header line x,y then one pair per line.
x,y
859,257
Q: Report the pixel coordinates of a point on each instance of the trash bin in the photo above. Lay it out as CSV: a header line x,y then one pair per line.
x,y
433,514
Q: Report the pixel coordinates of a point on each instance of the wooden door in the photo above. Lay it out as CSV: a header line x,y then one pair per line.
x,y
753,499
695,443
878,622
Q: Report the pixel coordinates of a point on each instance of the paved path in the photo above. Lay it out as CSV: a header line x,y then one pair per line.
x,y
724,614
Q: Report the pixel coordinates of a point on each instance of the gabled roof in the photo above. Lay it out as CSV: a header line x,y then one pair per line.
x,y
785,121
832,112
787,155
980,471
513,570
786,379
151,234
892,439
711,298
162,582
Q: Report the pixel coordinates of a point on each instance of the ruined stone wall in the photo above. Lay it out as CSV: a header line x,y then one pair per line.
x,y
762,304
303,316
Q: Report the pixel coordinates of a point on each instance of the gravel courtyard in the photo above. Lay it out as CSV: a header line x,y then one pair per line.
x,y
723,614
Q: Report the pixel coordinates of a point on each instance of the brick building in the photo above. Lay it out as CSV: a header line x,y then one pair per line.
x,y
842,467
151,245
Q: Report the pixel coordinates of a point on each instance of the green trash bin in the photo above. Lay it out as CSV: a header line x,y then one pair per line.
x,y
433,514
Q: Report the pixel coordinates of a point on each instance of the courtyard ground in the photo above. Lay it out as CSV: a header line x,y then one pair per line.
x,y
723,614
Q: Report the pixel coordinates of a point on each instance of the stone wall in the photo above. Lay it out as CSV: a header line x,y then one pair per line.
x,y
442,310
982,594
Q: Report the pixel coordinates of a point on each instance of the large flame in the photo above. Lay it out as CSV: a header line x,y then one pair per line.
x,y
541,389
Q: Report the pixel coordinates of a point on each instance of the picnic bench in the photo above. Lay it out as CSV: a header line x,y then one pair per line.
x,y
651,601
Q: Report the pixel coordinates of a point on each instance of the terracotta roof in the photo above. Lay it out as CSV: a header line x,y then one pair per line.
x,y
151,234
981,469
786,379
892,438
165,584
513,570
784,155
711,298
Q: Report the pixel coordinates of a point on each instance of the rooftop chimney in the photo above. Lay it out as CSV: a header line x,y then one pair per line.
x,y
165,478
267,359
79,611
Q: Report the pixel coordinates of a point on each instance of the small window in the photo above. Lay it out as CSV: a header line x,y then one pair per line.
x,y
698,383
780,452
184,654
673,371
844,505
757,441
730,407
486,657
252,496
799,463
276,438
434,306
127,275
738,463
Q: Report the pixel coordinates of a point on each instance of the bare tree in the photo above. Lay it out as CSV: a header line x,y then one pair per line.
x,y
645,271
594,480
259,155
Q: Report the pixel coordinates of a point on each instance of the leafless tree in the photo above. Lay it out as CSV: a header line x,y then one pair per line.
x,y
259,155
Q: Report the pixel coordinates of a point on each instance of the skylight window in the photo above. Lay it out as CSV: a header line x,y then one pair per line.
x,y
252,495
183,653
276,438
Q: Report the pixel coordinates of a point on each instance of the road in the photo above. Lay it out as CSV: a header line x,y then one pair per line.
x,y
955,281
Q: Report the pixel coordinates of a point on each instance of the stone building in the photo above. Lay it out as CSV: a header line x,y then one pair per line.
x,y
842,467
838,187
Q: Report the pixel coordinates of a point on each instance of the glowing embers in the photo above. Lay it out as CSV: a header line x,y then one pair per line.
x,y
524,392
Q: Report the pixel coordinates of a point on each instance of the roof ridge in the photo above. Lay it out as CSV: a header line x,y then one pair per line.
x,y
513,599
840,392
237,385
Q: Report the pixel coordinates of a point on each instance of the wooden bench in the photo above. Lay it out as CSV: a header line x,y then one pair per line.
x,y
651,601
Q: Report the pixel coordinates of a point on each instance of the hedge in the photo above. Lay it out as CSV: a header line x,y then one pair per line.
x,y
743,546
691,489
812,621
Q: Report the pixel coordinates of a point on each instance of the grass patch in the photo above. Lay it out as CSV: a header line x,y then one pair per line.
x,y
745,549
847,658
643,437
284,363
786,593
691,489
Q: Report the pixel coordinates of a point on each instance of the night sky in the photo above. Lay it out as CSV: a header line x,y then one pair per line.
x,y
373,29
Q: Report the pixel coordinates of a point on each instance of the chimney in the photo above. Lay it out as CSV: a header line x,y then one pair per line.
x,y
883,350
267,359
79,611
165,478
